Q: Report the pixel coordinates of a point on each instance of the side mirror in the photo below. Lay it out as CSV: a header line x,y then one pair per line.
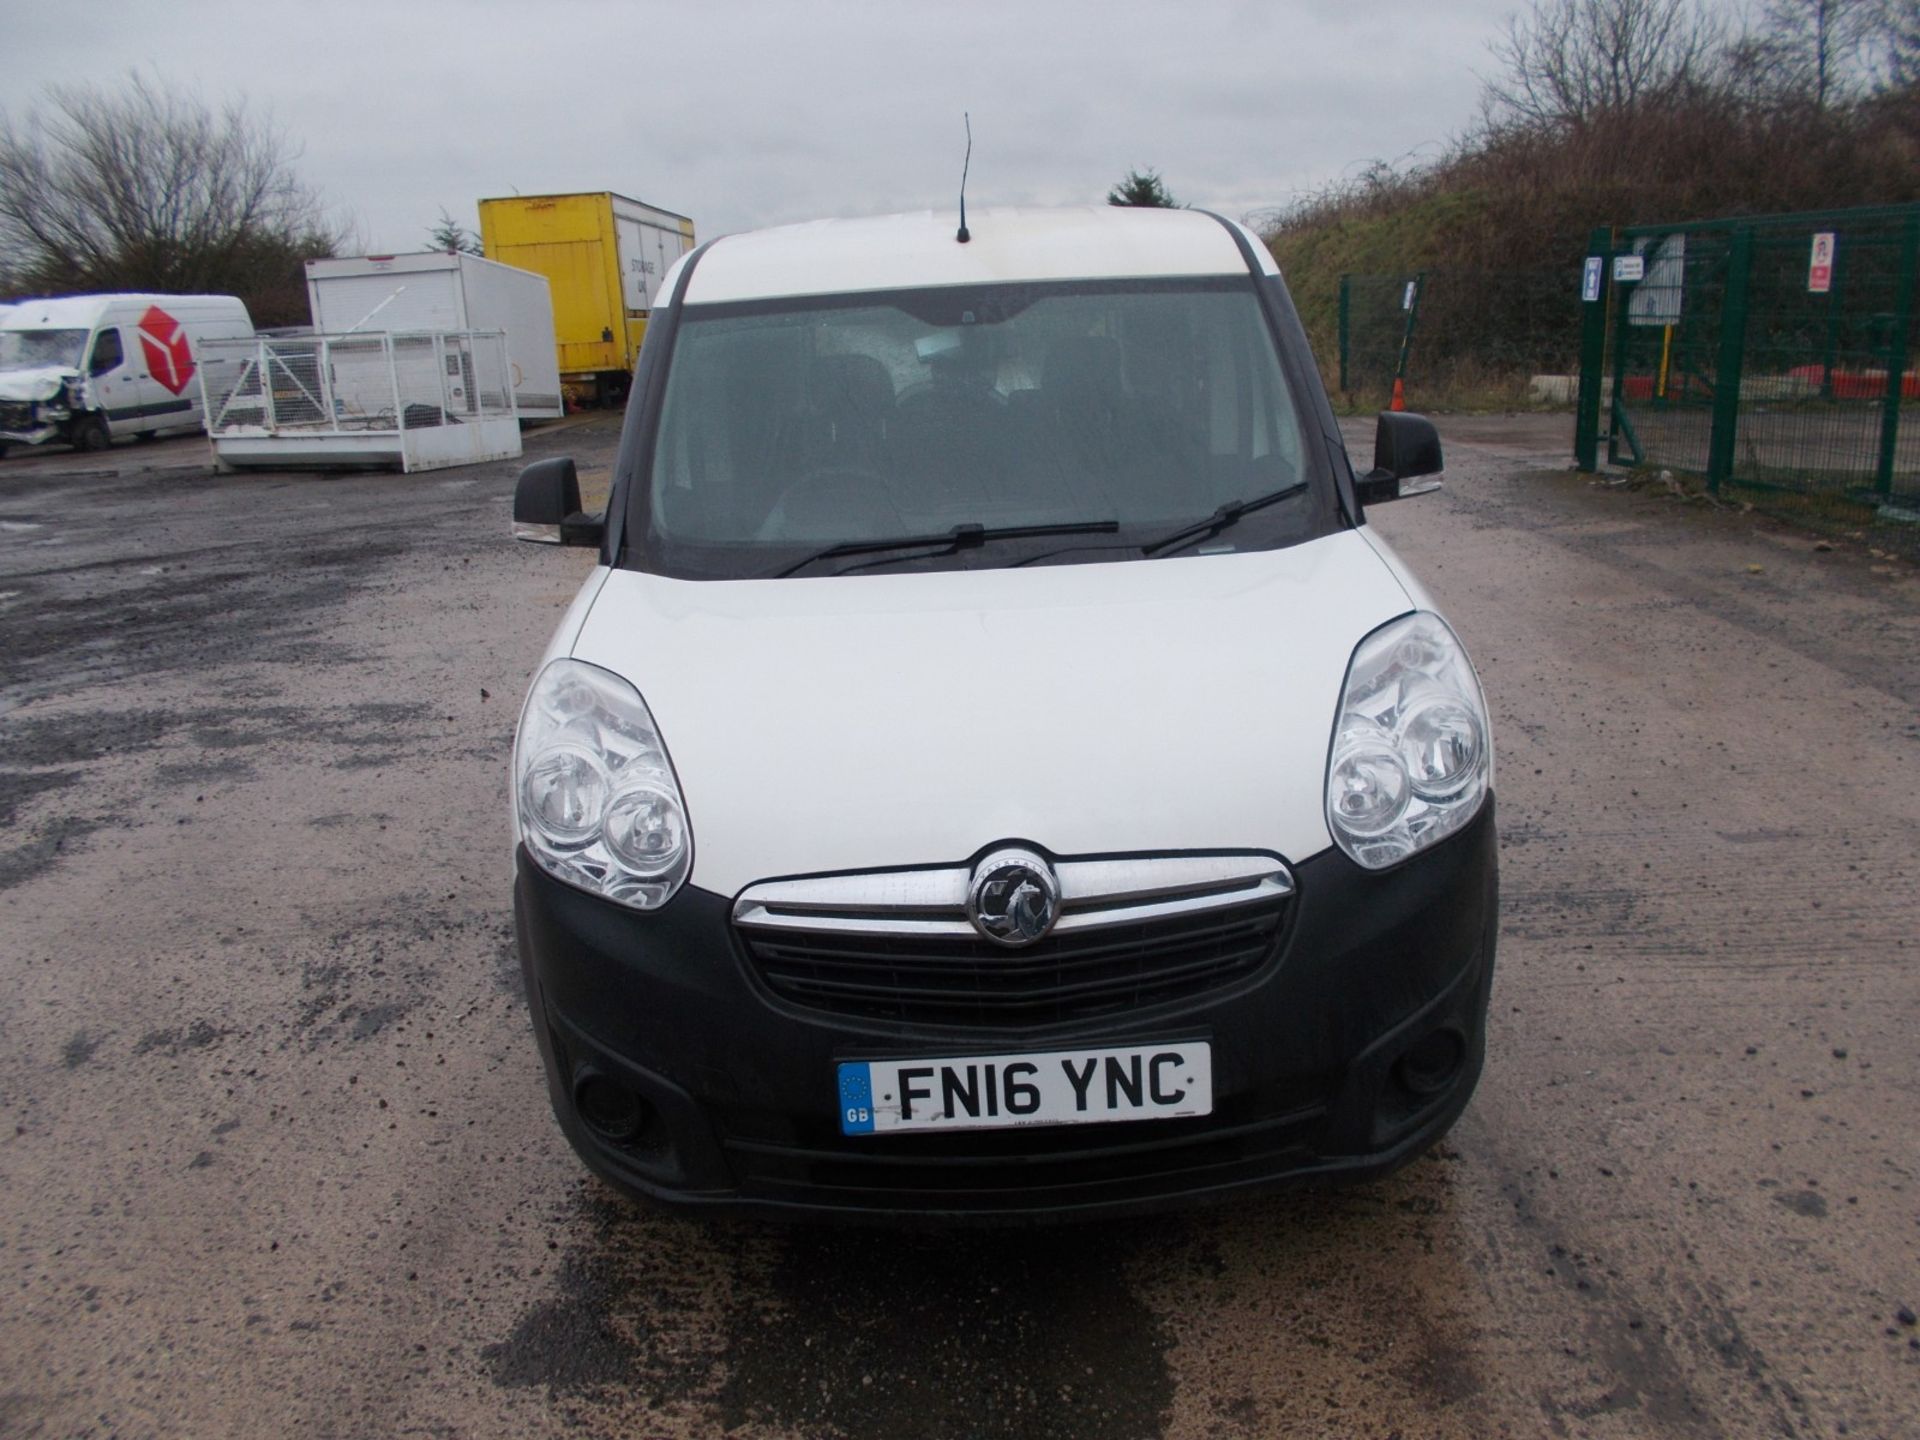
x,y
1404,446
546,506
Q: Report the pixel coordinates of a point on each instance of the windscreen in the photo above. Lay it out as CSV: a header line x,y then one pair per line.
x,y
31,349
790,428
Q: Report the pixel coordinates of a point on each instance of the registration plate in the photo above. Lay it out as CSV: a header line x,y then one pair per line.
x,y
1055,1087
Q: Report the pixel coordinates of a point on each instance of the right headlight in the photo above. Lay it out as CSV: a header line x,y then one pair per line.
x,y
1411,753
595,797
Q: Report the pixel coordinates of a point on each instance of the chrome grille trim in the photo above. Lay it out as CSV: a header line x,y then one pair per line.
x,y
1094,894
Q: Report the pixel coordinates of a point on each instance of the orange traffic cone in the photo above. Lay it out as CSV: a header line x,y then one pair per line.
x,y
1399,394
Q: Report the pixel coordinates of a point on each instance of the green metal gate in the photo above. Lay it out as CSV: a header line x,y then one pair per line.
x,y
1770,352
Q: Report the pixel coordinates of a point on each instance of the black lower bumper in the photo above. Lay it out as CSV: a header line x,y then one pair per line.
x,y
1352,1049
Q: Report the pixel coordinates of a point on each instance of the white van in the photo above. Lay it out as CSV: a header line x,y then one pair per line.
x,y
995,768
89,369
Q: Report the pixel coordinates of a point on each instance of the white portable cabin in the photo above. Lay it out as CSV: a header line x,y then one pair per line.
x,y
367,294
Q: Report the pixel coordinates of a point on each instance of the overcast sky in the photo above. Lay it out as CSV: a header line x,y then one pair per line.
x,y
758,112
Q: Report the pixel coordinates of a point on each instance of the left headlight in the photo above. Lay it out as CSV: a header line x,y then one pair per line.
x,y
595,796
1411,754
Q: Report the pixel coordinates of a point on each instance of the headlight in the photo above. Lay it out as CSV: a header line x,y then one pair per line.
x,y
1411,755
594,792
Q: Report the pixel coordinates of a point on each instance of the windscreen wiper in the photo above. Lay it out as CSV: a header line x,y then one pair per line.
x,y
1226,515
961,537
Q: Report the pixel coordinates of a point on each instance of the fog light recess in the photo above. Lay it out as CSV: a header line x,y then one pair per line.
x,y
1433,1062
610,1110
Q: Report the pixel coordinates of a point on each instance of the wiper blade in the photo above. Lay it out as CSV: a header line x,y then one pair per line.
x,y
1226,515
961,537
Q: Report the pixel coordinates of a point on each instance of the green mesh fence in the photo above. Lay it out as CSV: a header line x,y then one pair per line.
x,y
1458,337
1771,355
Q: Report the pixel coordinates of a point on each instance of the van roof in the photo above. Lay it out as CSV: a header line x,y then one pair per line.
x,y
899,252
74,312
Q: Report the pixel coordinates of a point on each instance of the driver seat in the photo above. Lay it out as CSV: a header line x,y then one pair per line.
x,y
849,409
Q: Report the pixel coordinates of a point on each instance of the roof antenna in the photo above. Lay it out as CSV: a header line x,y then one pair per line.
x,y
963,237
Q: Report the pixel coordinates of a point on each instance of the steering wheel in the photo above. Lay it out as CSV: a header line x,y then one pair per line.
x,y
920,392
833,493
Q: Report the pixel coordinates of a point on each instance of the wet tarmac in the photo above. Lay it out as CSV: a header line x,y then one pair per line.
x,y
277,1157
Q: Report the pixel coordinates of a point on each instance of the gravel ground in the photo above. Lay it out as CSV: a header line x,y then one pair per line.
x,y
277,1154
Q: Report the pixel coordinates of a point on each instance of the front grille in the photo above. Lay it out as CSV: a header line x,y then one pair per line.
x,y
15,416
962,980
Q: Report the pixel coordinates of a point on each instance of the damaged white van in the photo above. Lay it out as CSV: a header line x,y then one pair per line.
x,y
994,770
86,370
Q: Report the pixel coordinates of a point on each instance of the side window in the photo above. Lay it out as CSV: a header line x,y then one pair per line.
x,y
107,354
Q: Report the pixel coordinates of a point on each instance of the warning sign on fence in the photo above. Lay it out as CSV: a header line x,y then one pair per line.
x,y
1820,266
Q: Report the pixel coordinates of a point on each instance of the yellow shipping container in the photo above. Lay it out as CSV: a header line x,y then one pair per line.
x,y
602,254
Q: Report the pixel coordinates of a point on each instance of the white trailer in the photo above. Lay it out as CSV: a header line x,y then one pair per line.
x,y
370,294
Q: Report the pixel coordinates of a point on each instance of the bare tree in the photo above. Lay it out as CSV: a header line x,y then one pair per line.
x,y
1901,28
146,188
1574,62
1825,51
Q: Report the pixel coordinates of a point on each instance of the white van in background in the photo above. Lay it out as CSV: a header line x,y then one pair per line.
x,y
89,369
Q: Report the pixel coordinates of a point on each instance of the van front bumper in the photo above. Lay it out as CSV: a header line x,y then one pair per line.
x,y
26,422
1354,1046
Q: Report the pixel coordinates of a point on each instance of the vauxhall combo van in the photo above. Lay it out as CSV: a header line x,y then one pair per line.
x,y
86,370
994,770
